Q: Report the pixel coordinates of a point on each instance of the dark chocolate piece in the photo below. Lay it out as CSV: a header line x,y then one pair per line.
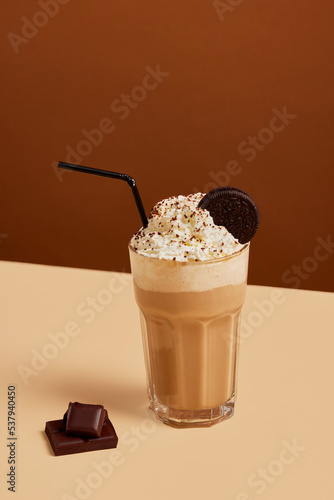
x,y
66,445
233,208
84,420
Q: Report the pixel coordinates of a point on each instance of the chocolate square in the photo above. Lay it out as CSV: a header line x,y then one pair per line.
x,y
62,444
84,420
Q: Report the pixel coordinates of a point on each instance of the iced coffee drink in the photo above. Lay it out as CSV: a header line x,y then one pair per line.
x,y
190,283
189,264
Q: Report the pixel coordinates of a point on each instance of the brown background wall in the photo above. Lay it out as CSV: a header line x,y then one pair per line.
x,y
228,69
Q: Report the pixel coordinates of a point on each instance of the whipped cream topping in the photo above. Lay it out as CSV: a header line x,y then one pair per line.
x,y
178,230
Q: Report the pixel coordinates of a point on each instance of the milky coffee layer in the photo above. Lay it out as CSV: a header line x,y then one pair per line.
x,y
180,231
172,276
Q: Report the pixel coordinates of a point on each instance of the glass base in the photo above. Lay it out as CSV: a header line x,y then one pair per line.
x,y
193,418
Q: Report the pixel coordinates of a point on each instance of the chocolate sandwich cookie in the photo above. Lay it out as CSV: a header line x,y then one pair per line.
x,y
234,209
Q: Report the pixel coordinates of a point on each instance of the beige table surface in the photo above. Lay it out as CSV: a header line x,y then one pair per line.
x,y
279,444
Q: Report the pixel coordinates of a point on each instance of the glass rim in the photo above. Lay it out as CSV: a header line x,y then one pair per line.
x,y
193,262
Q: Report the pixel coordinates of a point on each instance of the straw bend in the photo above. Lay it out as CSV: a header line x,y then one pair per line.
x,y
129,180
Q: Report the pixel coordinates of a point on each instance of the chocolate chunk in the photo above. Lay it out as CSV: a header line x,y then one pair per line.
x,y
84,420
62,444
233,208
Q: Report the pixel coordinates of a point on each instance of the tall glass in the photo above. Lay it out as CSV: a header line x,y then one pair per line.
x,y
190,316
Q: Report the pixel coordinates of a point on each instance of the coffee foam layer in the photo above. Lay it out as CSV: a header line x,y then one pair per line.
x,y
171,276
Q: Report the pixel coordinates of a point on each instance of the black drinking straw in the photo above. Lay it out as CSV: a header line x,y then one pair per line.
x,y
113,175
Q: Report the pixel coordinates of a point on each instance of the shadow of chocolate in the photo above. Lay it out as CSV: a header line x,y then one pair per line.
x,y
114,395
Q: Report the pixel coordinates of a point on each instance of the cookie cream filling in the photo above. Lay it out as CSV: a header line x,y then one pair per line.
x,y
178,230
